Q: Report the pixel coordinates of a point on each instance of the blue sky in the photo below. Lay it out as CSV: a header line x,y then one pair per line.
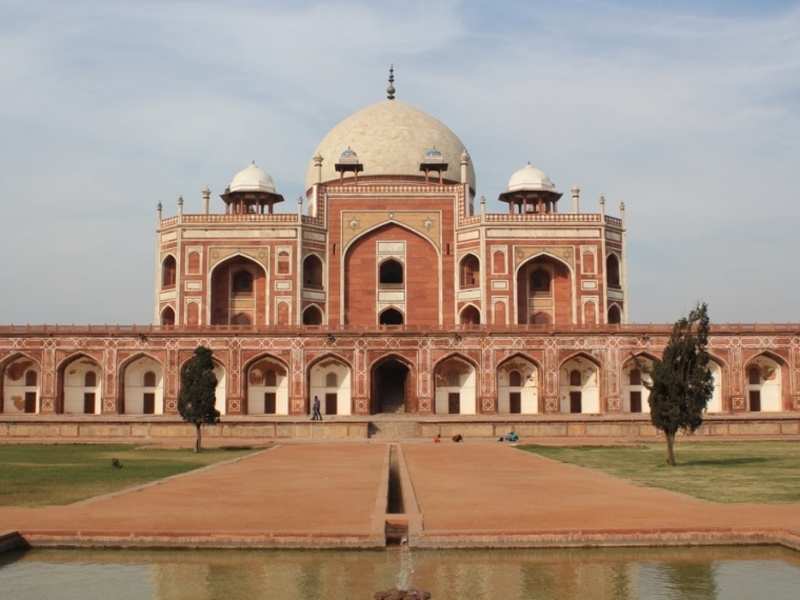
x,y
687,111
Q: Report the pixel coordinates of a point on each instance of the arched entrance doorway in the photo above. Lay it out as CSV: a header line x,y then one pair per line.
x,y
390,386
455,382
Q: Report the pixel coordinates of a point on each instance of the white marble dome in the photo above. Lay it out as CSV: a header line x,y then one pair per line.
x,y
390,138
252,179
529,178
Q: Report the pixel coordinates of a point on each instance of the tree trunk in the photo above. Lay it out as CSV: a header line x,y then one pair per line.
x,y
670,449
197,440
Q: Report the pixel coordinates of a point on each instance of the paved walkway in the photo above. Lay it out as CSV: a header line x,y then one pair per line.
x,y
299,490
495,490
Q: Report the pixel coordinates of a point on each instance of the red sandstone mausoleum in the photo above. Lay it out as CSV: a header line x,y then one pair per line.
x,y
388,288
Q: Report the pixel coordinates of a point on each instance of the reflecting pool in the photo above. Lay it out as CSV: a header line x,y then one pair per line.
x,y
686,573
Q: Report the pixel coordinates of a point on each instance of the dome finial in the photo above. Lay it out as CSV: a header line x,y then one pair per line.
x,y
390,91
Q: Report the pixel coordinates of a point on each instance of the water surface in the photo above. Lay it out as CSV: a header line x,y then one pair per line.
x,y
620,574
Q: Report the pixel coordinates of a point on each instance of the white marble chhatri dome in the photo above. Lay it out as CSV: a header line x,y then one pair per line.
x,y
390,138
529,178
252,179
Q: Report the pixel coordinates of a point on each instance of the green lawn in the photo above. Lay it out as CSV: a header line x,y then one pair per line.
x,y
718,471
36,475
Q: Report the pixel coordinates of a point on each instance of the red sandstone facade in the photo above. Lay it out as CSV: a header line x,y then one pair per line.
x,y
391,293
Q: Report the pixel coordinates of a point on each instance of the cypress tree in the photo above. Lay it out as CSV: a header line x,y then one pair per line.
x,y
681,382
197,398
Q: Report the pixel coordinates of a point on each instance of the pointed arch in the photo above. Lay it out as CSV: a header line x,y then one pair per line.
x,y
335,397
469,314
396,374
614,315
167,316
220,303
613,279
263,394
19,392
523,396
572,284
74,395
456,389
344,285
169,271
313,315
769,393
136,397
313,271
469,271
581,394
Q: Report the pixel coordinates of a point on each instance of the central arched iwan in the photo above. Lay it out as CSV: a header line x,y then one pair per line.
x,y
421,278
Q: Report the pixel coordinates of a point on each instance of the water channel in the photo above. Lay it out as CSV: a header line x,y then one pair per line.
x,y
674,573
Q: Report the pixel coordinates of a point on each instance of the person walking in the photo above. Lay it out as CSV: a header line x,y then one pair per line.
x,y
316,416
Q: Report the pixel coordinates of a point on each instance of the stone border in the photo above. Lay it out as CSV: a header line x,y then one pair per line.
x,y
610,538
412,510
378,526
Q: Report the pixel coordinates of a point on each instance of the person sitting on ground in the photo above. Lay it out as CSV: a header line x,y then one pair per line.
x,y
458,438
511,436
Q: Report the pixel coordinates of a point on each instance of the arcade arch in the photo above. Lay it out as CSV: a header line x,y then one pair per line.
x,y
20,391
267,387
238,292
579,385
81,386
391,385
544,291
518,386
455,382
329,380
143,387
764,384
635,378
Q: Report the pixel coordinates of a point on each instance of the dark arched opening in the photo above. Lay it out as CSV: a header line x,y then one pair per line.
x,y
470,316
312,316
168,272
612,271
614,316
312,272
391,316
390,379
470,270
390,273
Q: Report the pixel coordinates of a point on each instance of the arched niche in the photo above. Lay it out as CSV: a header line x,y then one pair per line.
x,y
390,316
544,291
169,270
469,316
81,386
518,386
469,270
143,387
455,384
238,292
764,384
612,271
329,379
21,386
312,315
715,403
635,376
579,385
312,272
168,316
614,315
267,387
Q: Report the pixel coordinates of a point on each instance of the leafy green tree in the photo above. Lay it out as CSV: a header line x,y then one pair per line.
x,y
197,397
681,383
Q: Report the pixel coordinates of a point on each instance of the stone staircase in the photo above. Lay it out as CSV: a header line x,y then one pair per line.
x,y
394,430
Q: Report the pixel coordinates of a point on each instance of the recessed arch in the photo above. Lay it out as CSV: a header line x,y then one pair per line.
x,y
167,316
469,315
329,378
135,393
614,314
74,395
20,384
312,315
581,396
391,273
469,271
313,271
391,316
522,297
634,381
265,383
518,385
169,271
228,302
425,313
392,384
765,392
455,384
613,279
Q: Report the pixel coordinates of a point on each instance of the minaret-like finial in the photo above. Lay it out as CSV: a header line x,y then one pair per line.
x,y
390,91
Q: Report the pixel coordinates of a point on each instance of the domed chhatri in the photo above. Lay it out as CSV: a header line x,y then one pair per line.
x,y
392,138
530,191
251,191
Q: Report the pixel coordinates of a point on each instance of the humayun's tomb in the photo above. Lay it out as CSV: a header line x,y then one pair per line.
x,y
387,288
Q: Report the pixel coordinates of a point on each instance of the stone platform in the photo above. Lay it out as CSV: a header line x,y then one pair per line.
x,y
255,429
